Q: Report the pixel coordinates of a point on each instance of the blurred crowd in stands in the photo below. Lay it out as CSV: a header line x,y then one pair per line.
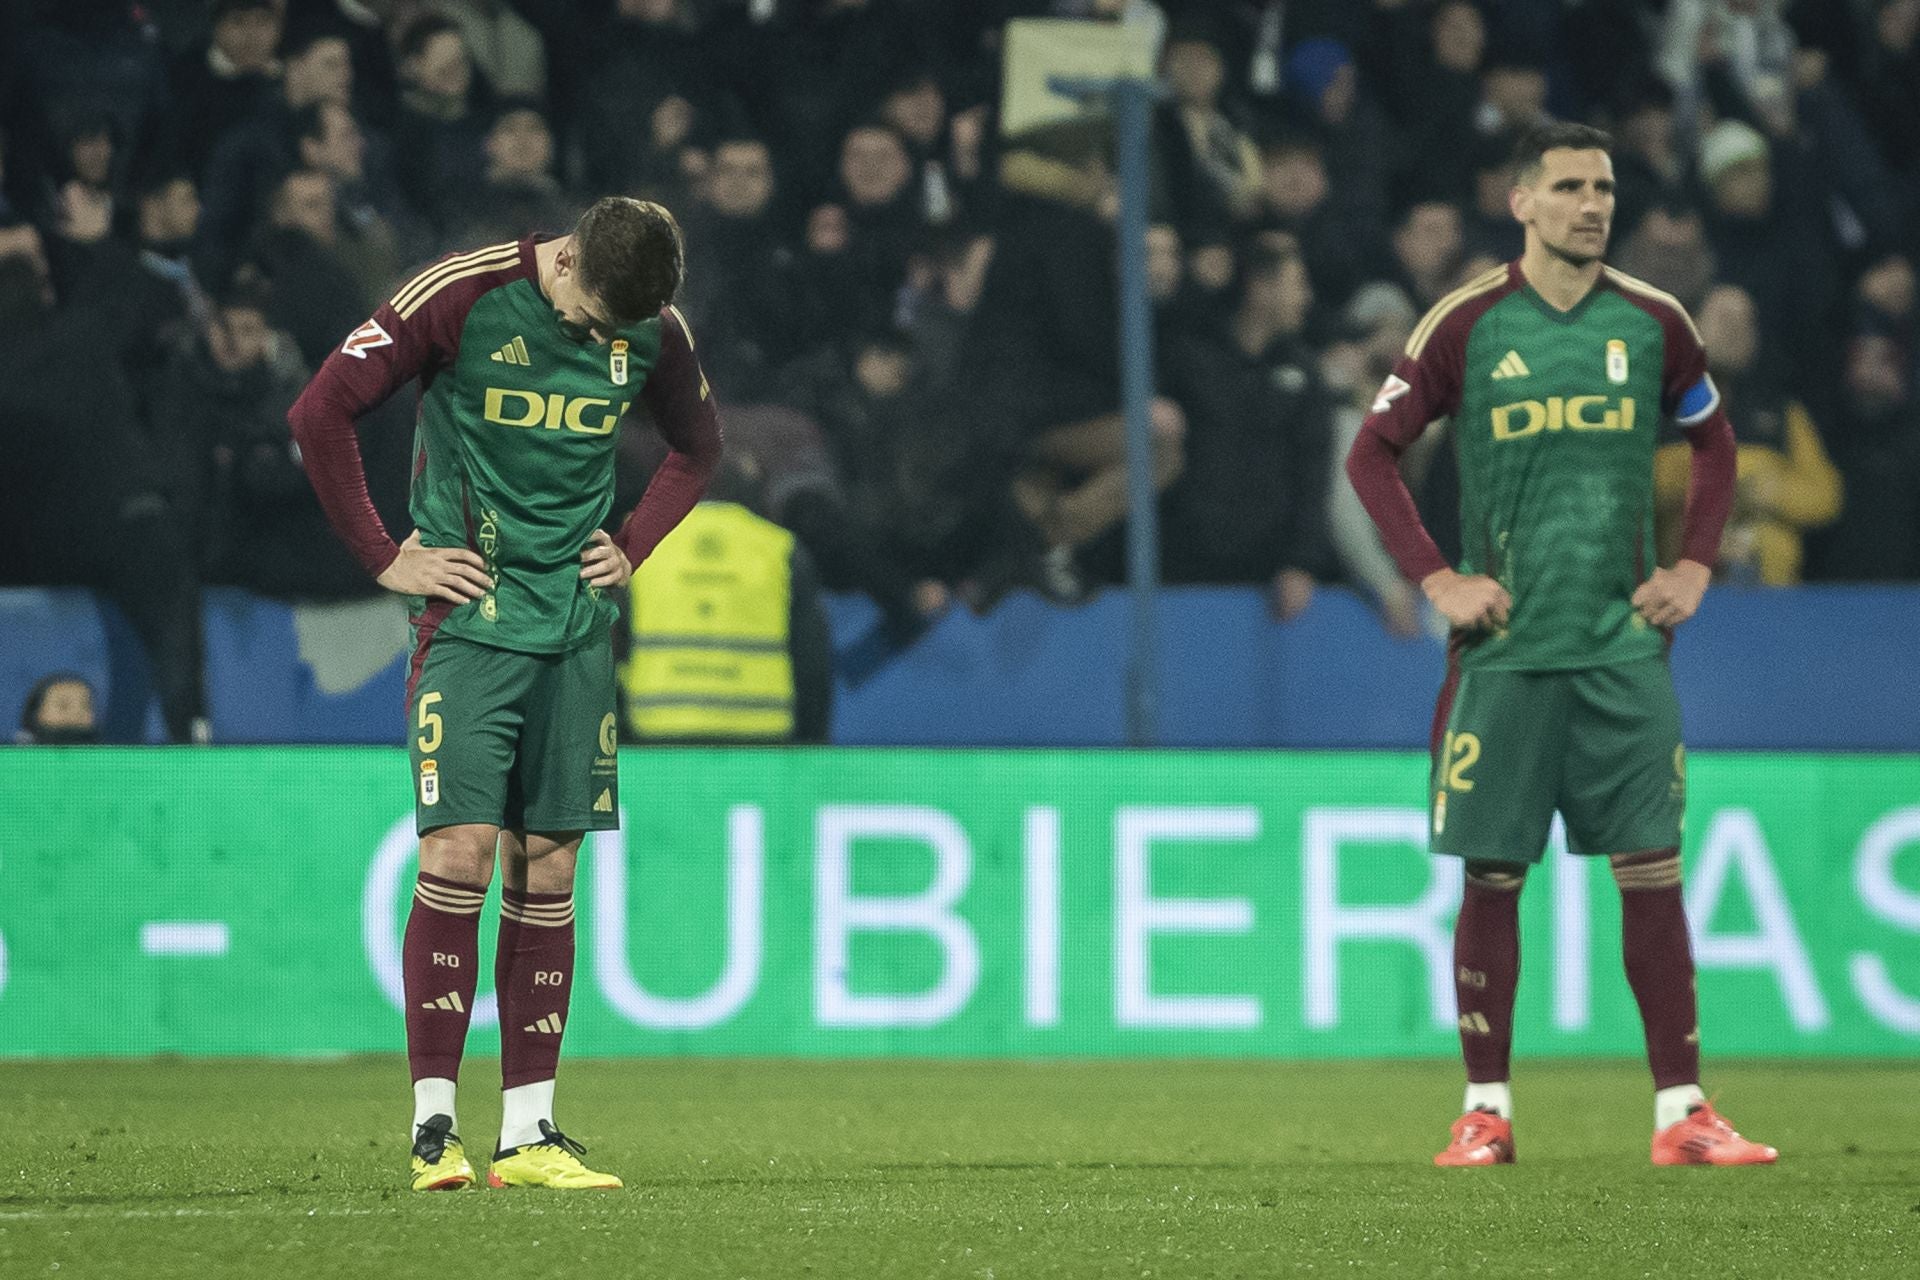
x,y
909,316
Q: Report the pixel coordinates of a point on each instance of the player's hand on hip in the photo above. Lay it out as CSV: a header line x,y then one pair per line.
x,y
439,573
1671,596
603,564
1469,601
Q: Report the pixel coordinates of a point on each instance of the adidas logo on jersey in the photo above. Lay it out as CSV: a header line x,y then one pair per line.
x,y
547,1026
514,352
451,1002
1511,366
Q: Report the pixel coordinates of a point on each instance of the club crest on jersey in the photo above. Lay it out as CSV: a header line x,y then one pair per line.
x,y
617,363
429,782
366,338
1617,362
1390,390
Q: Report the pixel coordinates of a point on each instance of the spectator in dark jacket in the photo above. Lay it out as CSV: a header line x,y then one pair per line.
x,y
1877,444
1213,169
228,79
861,238
1890,96
1251,505
1296,196
79,502
519,193
377,234
743,286
1352,131
227,396
1769,238
317,297
251,159
440,130
1042,378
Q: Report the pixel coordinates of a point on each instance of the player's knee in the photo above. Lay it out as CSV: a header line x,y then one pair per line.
x,y
1501,877
463,855
550,861
1647,869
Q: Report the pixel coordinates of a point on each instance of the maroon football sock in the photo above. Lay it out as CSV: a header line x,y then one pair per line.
x,y
1659,958
533,972
1486,970
440,960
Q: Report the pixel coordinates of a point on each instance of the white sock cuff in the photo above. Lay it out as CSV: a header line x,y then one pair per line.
x,y
1497,1098
1670,1106
432,1096
522,1108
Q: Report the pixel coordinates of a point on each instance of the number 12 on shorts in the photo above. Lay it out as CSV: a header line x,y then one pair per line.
x,y
1458,754
1462,752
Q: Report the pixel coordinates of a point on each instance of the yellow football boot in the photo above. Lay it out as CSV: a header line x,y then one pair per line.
x,y
554,1162
439,1161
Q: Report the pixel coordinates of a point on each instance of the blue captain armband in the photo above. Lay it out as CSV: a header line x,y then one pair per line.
x,y
1697,403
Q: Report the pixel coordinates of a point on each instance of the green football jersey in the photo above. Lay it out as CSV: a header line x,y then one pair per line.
x,y
514,445
1555,417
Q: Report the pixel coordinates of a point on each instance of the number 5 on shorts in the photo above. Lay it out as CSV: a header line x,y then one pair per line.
x,y
430,724
1461,754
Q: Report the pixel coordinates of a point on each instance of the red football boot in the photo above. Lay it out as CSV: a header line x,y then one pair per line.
x,y
1705,1138
1479,1137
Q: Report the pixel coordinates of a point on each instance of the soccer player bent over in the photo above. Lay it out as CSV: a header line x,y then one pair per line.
x,y
1556,370
528,354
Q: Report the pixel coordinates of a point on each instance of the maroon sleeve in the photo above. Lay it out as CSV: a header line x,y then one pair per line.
x,y
1424,386
1710,491
682,406
377,359
1688,395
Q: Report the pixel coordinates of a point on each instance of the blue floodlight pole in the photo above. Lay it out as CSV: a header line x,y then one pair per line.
x,y
1131,100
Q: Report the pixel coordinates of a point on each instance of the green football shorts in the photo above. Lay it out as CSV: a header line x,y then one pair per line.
x,y
524,741
1601,745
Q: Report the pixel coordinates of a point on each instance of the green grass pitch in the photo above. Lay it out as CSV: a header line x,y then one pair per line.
x,y
976,1169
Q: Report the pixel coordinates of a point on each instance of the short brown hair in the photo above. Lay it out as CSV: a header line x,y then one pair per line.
x,y
631,256
1540,139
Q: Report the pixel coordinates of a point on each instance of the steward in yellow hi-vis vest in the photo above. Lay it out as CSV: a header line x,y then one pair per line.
x,y
726,636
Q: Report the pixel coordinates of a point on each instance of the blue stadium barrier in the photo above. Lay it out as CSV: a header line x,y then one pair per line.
x,y
1819,668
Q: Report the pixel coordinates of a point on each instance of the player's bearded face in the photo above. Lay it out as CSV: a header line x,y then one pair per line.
x,y
1570,205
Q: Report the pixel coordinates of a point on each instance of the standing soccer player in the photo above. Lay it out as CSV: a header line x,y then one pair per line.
x,y
1556,371
528,354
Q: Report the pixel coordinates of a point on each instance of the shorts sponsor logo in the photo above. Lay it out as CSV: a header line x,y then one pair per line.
x,y
605,803
429,782
609,735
